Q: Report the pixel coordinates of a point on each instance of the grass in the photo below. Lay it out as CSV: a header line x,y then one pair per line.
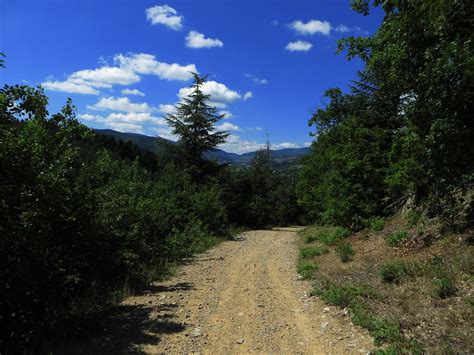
x,y
310,252
393,271
444,287
343,296
306,268
396,238
325,235
377,224
345,251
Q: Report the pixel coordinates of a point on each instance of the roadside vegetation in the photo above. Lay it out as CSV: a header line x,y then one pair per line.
x,y
86,220
392,163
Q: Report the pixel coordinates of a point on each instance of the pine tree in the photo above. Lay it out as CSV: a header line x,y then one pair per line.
x,y
194,124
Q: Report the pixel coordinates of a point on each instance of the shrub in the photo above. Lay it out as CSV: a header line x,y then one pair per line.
x,y
414,217
394,239
377,224
331,237
393,271
345,252
310,252
343,296
306,269
444,287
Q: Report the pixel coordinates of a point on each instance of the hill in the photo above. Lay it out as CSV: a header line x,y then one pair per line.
x,y
281,157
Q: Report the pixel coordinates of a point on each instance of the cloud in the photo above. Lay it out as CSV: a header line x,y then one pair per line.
x,y
235,144
256,80
227,126
285,145
166,133
301,46
342,29
128,70
125,122
126,127
89,117
311,27
104,77
248,95
167,109
68,86
142,63
227,114
308,144
120,104
197,40
220,94
132,92
164,15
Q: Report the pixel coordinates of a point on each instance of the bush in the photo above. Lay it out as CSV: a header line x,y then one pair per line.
x,y
343,296
394,239
332,237
345,251
306,269
310,252
444,287
393,271
377,224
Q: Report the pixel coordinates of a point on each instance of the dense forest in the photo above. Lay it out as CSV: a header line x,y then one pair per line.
x,y
86,219
405,130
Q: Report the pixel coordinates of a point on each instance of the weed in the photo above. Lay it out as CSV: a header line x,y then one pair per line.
x,y
393,271
377,224
310,252
414,218
345,251
394,239
329,237
345,295
444,287
306,269
469,301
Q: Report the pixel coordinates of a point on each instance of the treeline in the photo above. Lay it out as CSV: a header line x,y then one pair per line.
x,y
404,132
85,219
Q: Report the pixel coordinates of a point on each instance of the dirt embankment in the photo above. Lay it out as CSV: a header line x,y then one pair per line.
x,y
242,296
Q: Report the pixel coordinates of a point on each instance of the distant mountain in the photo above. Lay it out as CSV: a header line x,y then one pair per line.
x,y
285,157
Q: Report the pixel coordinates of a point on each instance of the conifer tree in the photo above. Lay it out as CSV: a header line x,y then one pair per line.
x,y
195,124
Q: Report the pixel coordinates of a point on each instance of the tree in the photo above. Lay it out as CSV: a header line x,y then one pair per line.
x,y
195,125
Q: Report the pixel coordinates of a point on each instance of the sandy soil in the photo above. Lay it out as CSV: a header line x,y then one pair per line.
x,y
242,296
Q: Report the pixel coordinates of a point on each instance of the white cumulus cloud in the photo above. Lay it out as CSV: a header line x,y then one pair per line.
x,y
142,63
197,40
132,92
298,46
248,95
68,86
220,94
167,108
285,145
311,27
164,15
227,114
120,104
235,144
227,126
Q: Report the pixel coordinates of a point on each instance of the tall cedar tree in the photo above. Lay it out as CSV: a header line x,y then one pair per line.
x,y
194,124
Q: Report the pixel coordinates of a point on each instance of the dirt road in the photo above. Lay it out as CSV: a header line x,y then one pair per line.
x,y
242,296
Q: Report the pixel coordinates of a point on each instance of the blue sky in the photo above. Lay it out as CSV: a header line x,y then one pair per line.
x,y
126,63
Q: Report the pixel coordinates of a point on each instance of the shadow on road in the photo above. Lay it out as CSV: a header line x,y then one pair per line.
x,y
131,325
